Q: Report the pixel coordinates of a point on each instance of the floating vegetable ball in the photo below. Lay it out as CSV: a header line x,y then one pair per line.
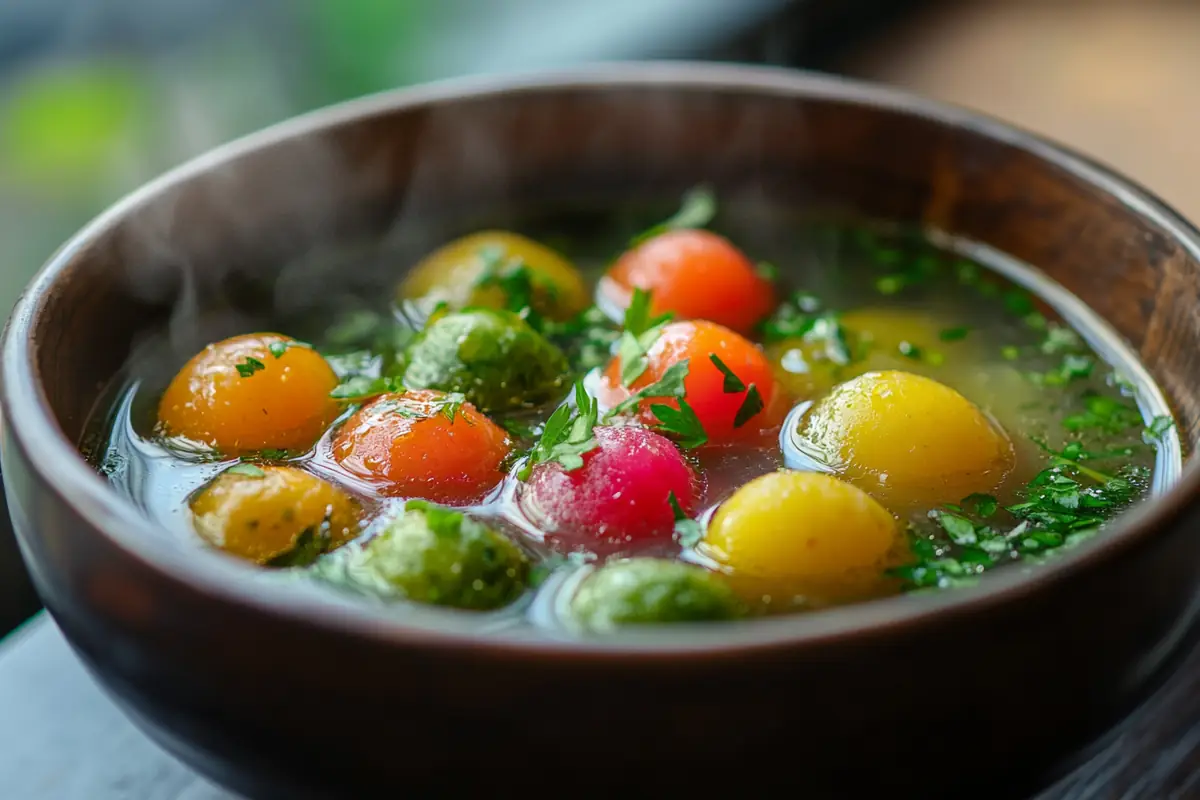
x,y
251,392
271,513
619,499
651,591
498,269
695,274
492,357
436,556
423,444
906,438
729,383
800,525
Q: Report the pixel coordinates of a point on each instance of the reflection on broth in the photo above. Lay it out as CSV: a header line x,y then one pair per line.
x,y
745,423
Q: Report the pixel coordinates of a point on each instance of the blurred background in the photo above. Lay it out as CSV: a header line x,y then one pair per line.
x,y
97,96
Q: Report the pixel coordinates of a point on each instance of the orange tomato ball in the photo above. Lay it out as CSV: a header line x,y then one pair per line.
x,y
695,274
422,444
707,389
262,512
251,392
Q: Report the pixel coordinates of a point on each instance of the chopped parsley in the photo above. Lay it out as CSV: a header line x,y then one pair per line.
x,y
567,435
732,384
698,208
277,349
955,334
669,385
587,339
308,546
361,387
1061,506
358,388
751,405
519,429
910,350
519,283
640,333
441,521
451,406
1072,368
250,366
249,470
1105,414
681,423
637,316
688,532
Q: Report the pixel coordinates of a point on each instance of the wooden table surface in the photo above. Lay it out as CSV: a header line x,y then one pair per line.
x,y
63,739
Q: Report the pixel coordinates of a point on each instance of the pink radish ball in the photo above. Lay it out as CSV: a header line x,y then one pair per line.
x,y
618,500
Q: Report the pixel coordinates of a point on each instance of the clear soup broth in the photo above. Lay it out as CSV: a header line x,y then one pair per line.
x,y
589,424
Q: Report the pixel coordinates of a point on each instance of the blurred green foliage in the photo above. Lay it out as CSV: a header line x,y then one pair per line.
x,y
66,125
362,46
78,130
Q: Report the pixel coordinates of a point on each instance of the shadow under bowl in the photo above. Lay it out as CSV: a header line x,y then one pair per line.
x,y
280,690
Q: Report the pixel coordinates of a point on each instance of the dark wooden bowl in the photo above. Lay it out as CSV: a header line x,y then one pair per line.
x,y
280,690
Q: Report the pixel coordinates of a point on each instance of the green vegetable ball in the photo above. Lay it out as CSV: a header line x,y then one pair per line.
x,y
491,356
652,590
436,556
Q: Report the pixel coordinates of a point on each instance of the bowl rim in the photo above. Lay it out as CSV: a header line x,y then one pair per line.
x,y
59,465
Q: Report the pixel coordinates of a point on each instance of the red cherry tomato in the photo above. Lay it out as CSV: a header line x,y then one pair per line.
x,y
714,396
697,275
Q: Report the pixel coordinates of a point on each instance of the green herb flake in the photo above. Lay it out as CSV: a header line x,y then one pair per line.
x,y
308,546
983,505
688,532
516,280
360,387
681,423
732,384
450,407
639,335
698,208
669,385
567,435
250,366
442,521
1018,302
960,530
637,316
1105,414
277,349
954,334
1073,367
751,405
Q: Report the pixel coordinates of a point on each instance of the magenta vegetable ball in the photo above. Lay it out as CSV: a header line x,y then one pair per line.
x,y
618,500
